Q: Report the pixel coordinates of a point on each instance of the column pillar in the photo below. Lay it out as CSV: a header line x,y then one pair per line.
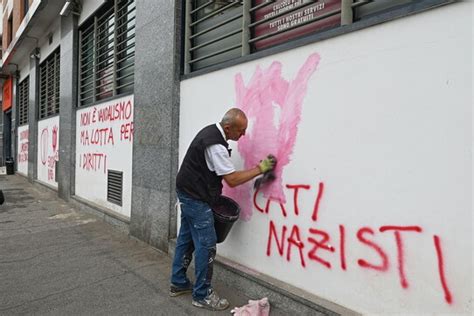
x,y
156,118
67,106
33,106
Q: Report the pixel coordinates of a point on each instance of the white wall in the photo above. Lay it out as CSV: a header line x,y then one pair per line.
x,y
104,138
88,8
8,6
26,19
22,159
24,69
384,142
45,47
48,143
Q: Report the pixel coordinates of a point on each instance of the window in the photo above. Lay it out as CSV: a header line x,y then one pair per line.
x,y
49,86
107,53
217,31
23,101
25,5
9,30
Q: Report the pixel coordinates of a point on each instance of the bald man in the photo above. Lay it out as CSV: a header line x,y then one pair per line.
x,y
199,185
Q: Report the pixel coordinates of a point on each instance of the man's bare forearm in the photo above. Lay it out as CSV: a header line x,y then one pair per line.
x,y
239,177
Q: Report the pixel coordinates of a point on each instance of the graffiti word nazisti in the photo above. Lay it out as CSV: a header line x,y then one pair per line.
x,y
314,244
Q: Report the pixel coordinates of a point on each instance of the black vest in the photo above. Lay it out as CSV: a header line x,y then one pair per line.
x,y
194,177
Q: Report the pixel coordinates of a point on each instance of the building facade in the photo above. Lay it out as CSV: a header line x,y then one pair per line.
x,y
366,104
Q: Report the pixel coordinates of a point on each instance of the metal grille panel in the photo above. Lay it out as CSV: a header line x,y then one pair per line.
x,y
23,101
114,186
107,53
217,31
49,86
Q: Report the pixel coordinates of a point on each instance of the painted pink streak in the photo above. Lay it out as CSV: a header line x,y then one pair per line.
x,y
267,91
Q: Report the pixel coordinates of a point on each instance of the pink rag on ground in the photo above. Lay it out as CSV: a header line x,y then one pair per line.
x,y
253,308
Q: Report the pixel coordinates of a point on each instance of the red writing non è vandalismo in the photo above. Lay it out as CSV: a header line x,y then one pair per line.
x,y
114,112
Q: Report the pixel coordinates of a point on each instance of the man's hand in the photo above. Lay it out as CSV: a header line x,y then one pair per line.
x,y
267,164
239,177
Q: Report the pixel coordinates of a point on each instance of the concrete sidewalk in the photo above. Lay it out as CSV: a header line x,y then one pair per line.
x,y
55,260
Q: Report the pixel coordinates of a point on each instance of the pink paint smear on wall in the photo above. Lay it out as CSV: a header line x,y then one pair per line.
x,y
273,107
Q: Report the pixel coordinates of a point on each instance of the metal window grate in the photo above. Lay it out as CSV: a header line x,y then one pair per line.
x,y
213,32
49,86
23,101
114,186
217,31
107,52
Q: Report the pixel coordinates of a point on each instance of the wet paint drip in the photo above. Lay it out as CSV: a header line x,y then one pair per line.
x,y
273,106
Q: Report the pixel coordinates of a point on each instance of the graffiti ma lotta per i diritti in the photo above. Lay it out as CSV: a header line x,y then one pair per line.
x,y
103,132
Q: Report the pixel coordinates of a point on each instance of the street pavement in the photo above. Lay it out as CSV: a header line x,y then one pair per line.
x,y
55,260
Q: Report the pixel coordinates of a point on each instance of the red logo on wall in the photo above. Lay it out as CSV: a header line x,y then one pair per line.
x,y
55,138
7,94
43,146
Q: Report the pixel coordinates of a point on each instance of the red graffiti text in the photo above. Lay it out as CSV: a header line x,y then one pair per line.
x,y
314,244
93,161
98,137
122,110
126,131
24,135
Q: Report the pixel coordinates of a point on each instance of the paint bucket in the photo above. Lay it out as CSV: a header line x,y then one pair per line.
x,y
226,213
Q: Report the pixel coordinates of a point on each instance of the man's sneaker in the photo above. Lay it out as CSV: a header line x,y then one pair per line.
x,y
212,302
176,291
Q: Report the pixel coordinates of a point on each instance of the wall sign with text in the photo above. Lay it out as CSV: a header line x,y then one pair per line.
x,y
289,19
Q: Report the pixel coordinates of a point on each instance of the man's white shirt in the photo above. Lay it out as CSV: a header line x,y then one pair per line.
x,y
217,157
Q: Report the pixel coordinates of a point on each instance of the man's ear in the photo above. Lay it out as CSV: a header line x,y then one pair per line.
x,y
226,128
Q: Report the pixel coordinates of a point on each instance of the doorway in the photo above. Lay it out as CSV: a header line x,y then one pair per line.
x,y
7,135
